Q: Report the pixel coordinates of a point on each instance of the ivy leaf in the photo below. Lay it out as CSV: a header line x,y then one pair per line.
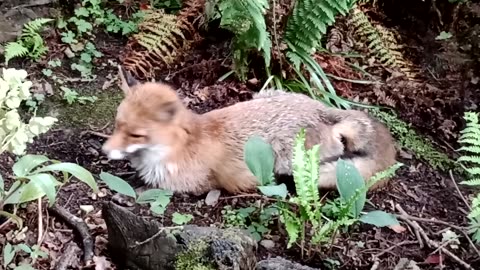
x,y
277,190
181,219
379,218
82,11
27,163
118,184
349,181
259,158
153,195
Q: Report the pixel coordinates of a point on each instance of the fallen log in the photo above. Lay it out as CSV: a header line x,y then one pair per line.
x,y
140,243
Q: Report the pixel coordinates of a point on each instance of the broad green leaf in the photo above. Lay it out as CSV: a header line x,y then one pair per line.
x,y
152,195
27,163
38,186
157,209
379,218
258,156
76,170
46,183
349,181
15,218
181,219
13,194
8,254
117,184
23,247
271,191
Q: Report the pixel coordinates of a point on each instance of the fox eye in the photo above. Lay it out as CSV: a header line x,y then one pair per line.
x,y
136,136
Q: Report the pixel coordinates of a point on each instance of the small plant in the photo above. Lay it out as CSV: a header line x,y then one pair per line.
x,y
30,43
33,179
244,18
254,219
72,96
158,199
181,219
470,161
9,252
15,134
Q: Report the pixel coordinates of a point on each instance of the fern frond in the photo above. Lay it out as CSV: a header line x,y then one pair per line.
x,y
471,182
14,49
161,38
305,175
36,25
380,42
309,21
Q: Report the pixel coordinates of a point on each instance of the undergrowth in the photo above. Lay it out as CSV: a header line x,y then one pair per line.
x,y
30,43
470,161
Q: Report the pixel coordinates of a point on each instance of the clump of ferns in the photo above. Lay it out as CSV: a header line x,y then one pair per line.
x,y
30,43
380,42
470,161
161,39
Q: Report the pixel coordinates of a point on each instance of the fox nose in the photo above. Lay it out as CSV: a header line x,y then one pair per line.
x,y
113,154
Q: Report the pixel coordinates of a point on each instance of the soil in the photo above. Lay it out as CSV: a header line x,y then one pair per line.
x,y
434,106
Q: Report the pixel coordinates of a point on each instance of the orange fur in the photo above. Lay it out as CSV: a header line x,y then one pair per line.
x,y
174,148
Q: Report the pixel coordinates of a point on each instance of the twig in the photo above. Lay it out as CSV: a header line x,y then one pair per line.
x,y
99,134
81,227
160,231
40,222
394,246
432,243
458,190
415,231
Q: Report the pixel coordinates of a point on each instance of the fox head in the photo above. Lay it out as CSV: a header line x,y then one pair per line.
x,y
151,117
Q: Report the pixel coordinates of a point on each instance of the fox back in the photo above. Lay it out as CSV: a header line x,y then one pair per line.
x,y
174,148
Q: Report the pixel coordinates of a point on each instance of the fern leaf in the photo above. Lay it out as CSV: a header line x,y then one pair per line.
x,y
14,49
473,159
471,182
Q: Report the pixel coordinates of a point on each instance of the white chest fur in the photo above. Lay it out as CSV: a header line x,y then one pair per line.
x,y
150,164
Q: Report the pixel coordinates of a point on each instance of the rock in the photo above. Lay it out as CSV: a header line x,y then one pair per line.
x,y
268,244
139,243
212,197
281,263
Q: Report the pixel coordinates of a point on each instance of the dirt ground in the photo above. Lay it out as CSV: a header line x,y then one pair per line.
x,y
434,106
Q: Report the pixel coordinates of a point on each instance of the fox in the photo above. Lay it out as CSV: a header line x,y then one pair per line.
x,y
172,147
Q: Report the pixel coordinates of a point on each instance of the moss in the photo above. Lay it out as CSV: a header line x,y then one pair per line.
x,y
193,258
98,113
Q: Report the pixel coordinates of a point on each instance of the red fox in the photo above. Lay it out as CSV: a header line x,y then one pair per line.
x,y
174,148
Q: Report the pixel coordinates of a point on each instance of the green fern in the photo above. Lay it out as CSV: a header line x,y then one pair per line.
x,y
30,43
379,42
305,175
245,19
309,21
470,161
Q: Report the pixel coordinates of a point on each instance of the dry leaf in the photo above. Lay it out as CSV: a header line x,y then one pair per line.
x,y
397,228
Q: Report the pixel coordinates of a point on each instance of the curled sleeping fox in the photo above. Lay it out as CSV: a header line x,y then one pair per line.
x,y
174,148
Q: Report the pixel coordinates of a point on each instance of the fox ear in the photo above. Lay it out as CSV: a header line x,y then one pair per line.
x,y
127,79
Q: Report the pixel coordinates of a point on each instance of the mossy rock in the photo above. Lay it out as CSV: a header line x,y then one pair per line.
x,y
138,243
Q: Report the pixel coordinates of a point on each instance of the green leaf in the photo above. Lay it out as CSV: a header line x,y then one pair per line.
x,y
23,247
24,266
82,11
379,218
153,195
181,219
260,159
118,184
46,183
39,185
443,36
349,181
277,190
74,169
27,163
8,254
15,218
